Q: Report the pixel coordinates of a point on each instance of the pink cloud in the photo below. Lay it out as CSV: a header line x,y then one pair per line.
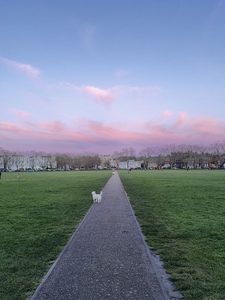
x,y
107,96
25,68
88,135
182,118
166,114
107,132
5,126
208,128
100,95
57,126
21,113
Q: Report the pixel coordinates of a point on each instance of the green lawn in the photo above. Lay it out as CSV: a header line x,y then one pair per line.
x,y
38,213
183,217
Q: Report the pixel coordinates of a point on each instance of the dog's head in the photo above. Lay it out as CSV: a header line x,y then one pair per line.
x,y
93,193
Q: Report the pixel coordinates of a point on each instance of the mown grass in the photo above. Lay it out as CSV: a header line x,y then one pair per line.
x,y
182,215
38,214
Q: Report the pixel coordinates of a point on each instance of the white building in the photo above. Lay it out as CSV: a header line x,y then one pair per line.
x,y
134,164
1,163
130,164
28,162
123,165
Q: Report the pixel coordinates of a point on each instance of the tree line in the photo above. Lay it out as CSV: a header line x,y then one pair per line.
x,y
176,155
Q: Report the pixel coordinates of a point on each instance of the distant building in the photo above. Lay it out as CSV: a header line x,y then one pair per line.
x,y
134,164
106,161
123,165
26,162
130,164
1,163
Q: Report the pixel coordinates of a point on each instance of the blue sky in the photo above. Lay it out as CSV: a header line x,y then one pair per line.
x,y
100,76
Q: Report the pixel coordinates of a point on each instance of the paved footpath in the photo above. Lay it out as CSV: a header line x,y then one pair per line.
x,y
106,258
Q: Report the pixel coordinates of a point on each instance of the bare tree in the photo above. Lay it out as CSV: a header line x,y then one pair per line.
x,y
16,160
60,161
149,156
6,157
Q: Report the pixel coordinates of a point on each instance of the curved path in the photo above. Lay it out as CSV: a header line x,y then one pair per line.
x,y
106,258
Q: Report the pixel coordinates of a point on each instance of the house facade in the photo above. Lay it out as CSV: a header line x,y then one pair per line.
x,y
16,162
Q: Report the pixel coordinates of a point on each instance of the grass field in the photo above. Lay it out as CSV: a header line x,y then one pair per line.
x,y
183,217
38,213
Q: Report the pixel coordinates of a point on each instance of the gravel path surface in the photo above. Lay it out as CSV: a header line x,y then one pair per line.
x,y
106,258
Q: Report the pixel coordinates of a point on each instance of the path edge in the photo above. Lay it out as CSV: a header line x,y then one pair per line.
x,y
168,292
36,292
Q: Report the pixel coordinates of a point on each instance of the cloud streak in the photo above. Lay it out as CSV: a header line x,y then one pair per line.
x,y
21,113
88,34
110,94
90,135
102,96
24,68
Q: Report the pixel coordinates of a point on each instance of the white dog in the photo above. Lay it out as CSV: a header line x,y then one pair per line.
x,y
96,197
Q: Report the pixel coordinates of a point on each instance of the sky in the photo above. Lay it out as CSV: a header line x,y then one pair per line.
x,y
100,76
